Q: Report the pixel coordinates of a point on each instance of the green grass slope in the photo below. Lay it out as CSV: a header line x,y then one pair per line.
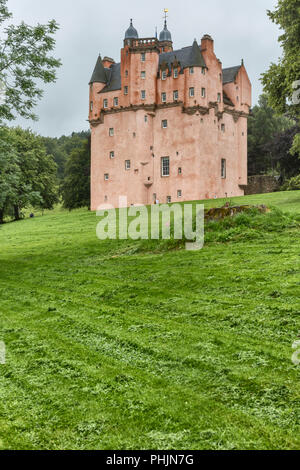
x,y
108,348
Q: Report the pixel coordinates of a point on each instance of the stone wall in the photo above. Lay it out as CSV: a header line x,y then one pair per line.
x,y
261,184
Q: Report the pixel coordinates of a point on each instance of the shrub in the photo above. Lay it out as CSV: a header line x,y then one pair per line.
x,y
292,184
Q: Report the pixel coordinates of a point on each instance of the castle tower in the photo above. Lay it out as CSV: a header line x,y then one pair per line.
x,y
165,37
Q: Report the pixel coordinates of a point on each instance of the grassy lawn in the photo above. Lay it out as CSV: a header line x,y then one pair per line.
x,y
112,349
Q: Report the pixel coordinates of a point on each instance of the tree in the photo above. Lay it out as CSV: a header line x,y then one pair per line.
x,y
25,60
263,125
36,184
279,149
76,185
279,80
9,173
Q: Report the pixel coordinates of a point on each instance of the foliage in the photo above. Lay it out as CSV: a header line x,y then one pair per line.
x,y
263,125
292,184
34,180
279,149
76,184
278,80
9,173
180,350
25,61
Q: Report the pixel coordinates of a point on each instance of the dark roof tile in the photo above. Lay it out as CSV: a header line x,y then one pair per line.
x,y
229,74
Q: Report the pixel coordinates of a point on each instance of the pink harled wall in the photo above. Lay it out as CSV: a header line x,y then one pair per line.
x,y
194,140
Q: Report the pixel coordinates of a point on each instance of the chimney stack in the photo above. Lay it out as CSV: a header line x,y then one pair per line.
x,y
207,43
108,62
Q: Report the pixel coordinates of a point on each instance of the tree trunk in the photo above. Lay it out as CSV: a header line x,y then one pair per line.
x,y
1,216
17,212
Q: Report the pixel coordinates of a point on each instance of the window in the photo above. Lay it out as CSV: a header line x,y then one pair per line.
x,y
164,97
143,94
164,75
175,73
106,177
237,99
111,132
105,103
126,73
112,154
219,98
223,168
180,171
223,127
220,77
165,166
203,70
127,165
192,92
91,106
116,101
191,70
146,118
175,95
164,123
143,74
203,92
143,57
169,199
179,193
125,90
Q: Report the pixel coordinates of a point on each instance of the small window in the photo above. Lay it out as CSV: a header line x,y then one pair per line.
x,y
191,70
192,92
180,171
105,198
164,123
164,75
203,92
126,73
146,118
165,166
112,154
143,94
111,132
169,199
164,97
91,106
203,70
220,77
223,168
105,103
127,164
175,95
179,193
125,90
106,177
116,101
237,99
143,57
176,73
143,74
219,98
223,127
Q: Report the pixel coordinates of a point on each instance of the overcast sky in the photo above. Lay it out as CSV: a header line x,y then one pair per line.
x,y
241,29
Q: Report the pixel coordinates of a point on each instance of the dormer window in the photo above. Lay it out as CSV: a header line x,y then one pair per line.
x,y
164,75
105,103
116,101
176,73
143,57
191,70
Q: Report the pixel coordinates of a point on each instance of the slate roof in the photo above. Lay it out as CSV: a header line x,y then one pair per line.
x,y
99,74
229,74
190,56
113,78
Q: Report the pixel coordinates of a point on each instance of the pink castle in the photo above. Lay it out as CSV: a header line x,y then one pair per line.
x,y
167,125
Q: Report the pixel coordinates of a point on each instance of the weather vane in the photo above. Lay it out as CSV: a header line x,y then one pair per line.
x,y
166,10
